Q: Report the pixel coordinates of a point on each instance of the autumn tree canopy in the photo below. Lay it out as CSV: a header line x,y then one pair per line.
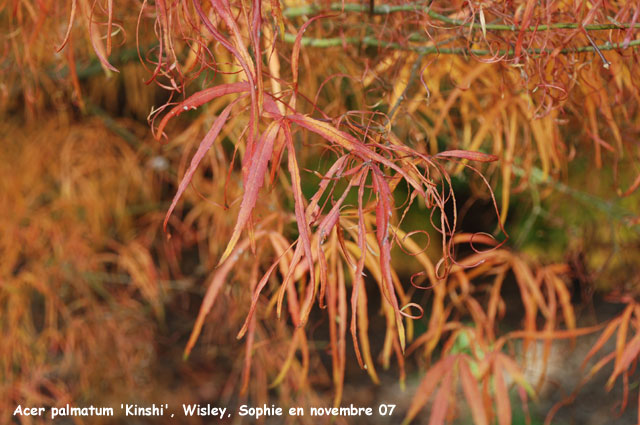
x,y
312,160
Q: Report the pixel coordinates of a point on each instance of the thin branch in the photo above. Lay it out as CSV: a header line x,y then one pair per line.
x,y
412,77
426,50
385,9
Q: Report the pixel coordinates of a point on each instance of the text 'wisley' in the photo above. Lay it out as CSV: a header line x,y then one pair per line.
x,y
203,410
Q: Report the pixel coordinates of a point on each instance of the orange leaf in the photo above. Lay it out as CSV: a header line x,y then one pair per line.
x,y
629,354
604,337
210,296
109,25
636,183
621,339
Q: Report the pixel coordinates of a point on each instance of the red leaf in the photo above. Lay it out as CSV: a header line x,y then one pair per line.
x,y
255,179
441,402
69,26
244,59
336,169
526,18
350,143
200,153
358,280
97,47
384,210
295,55
303,225
427,386
324,229
200,98
270,107
276,14
222,40
470,155
242,54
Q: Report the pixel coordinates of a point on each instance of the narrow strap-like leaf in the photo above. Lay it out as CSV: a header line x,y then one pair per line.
x,y
204,146
255,179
